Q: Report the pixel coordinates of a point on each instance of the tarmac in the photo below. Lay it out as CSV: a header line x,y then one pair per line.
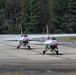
x,y
33,60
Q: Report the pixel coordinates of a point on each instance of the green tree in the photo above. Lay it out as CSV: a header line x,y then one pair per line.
x,y
2,9
70,17
33,17
64,16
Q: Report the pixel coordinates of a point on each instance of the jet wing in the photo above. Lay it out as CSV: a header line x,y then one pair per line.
x,y
49,42
34,39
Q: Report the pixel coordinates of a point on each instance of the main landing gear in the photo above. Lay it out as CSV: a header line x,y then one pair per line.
x,y
19,47
53,49
28,47
24,45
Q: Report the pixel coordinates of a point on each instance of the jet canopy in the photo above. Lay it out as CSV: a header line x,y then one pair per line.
x,y
53,38
25,35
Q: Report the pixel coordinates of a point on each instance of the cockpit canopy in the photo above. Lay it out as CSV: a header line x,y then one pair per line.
x,y
53,38
25,35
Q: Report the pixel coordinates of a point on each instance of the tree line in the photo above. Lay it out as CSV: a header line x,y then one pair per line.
x,y
34,15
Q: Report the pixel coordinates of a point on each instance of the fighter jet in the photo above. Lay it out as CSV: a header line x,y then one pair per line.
x,y
51,44
23,41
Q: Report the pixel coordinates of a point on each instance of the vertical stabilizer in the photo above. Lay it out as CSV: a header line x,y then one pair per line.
x,y
48,38
47,29
21,32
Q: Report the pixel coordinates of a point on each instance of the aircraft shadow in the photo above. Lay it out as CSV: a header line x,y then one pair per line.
x,y
53,54
28,49
40,53
69,53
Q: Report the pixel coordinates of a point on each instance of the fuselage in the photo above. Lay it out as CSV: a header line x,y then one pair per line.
x,y
51,42
24,41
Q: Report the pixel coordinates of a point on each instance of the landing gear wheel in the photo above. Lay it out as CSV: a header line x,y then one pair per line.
x,y
17,47
57,52
28,47
43,52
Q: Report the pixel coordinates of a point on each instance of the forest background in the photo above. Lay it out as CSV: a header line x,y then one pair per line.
x,y
34,15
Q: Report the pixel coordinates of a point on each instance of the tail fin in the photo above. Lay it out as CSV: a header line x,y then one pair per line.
x,y
21,32
22,35
47,29
48,37
47,32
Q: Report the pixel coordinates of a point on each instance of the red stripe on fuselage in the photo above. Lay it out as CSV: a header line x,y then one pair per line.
x,y
26,41
54,44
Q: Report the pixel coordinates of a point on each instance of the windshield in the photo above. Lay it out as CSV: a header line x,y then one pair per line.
x,y
25,35
53,38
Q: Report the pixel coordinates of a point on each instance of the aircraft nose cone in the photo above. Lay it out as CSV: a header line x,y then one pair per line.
x,y
26,41
55,44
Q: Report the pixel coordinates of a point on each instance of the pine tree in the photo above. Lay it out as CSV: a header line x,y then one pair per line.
x,y
2,9
64,16
33,15
59,8
70,17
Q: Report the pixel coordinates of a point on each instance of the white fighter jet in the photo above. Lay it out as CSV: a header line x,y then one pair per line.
x,y
52,44
23,41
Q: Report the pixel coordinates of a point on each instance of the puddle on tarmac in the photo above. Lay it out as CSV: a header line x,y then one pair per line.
x,y
21,69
